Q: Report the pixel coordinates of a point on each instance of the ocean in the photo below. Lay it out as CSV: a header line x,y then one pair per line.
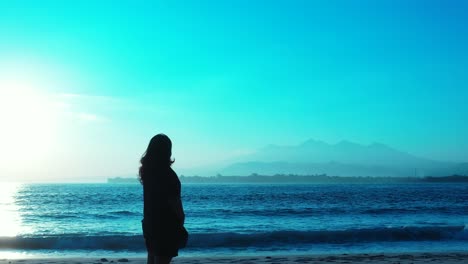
x,y
240,219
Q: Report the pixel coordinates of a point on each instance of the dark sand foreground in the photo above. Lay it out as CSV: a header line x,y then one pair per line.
x,y
446,258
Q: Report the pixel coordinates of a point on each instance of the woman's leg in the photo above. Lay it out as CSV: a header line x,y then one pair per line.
x,y
162,260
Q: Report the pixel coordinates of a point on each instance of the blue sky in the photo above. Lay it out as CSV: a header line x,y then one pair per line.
x,y
223,78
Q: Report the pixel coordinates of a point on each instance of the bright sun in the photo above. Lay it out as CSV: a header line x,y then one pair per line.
x,y
26,117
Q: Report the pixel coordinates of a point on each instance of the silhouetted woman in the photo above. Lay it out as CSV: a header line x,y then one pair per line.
x,y
163,222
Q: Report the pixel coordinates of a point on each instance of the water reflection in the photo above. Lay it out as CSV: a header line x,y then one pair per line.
x,y
10,220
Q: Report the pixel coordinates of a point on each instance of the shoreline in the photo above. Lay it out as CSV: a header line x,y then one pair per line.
x,y
378,258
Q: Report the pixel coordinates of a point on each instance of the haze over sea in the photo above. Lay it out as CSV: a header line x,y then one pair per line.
x,y
94,219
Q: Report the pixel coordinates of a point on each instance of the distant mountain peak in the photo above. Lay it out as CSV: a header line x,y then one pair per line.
x,y
344,158
313,142
347,143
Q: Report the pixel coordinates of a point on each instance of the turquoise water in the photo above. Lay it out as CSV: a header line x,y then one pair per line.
x,y
244,219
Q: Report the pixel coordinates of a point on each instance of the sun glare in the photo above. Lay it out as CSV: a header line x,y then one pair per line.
x,y
26,115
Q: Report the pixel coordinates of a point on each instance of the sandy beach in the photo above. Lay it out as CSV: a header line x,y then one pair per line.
x,y
403,258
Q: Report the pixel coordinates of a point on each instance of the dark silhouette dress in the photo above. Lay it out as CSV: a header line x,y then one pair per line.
x,y
162,228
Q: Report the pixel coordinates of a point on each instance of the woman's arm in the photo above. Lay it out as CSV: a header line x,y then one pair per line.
x,y
176,206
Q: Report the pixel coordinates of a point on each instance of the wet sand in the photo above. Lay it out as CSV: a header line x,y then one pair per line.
x,y
393,258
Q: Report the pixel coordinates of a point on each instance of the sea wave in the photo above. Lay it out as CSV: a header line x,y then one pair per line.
x,y
239,240
125,213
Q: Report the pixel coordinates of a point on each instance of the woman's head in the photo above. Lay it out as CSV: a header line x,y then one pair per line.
x,y
157,155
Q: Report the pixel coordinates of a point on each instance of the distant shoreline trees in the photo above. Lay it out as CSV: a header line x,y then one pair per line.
x,y
302,179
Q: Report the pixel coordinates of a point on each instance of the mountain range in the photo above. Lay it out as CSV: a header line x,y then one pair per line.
x,y
345,158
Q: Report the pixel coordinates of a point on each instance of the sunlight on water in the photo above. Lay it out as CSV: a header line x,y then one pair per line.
x,y
15,255
10,221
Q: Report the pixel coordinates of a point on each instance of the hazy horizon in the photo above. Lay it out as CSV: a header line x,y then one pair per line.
x,y
84,86
218,168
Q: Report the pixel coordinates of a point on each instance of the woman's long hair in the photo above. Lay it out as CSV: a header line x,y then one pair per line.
x,y
157,155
